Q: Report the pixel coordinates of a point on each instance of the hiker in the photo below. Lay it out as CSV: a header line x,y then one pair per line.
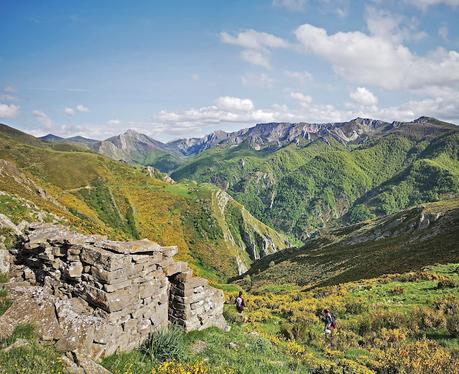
x,y
240,303
330,322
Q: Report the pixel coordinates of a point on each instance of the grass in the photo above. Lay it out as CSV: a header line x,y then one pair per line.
x,y
5,302
31,357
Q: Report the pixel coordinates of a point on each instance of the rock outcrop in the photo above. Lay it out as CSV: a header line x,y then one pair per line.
x,y
101,296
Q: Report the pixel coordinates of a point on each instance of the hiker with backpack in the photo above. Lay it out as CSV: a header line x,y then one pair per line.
x,y
330,322
240,304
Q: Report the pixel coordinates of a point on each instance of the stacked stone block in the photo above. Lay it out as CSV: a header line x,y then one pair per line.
x,y
193,304
125,289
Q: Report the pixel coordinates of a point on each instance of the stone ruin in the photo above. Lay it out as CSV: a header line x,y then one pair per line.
x,y
106,296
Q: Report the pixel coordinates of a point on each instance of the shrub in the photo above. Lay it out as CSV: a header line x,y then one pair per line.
x,y
419,357
449,305
4,278
397,290
165,344
378,319
356,307
298,331
231,315
445,283
452,324
173,367
427,318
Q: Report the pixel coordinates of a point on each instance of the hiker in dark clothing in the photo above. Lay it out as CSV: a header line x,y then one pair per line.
x,y
240,303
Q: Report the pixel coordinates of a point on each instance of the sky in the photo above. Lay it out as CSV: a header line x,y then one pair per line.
x,y
175,69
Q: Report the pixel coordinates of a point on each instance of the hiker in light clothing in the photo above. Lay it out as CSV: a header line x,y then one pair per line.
x,y
240,303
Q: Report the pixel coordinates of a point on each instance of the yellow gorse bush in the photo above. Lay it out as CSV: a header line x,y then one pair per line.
x,y
174,367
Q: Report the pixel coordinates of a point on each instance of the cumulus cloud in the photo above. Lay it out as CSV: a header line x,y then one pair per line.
x,y
294,5
369,59
256,45
225,110
43,118
363,96
8,111
234,103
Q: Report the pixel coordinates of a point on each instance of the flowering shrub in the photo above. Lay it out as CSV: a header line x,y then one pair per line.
x,y
428,318
419,357
174,367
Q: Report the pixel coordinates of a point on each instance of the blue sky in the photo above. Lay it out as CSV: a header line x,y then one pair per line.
x,y
185,68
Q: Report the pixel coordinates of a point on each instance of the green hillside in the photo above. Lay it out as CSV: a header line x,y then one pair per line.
x,y
402,323
65,183
301,187
404,241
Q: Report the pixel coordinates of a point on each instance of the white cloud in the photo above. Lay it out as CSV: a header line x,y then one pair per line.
x,y
301,98
251,39
260,58
79,108
113,122
390,26
369,59
195,76
294,5
226,110
257,80
82,108
8,111
301,76
43,118
363,96
256,45
234,103
425,4
69,111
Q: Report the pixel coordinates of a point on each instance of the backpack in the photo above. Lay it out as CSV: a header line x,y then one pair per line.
x,y
333,323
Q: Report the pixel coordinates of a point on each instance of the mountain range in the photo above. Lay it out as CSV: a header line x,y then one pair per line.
x,y
301,177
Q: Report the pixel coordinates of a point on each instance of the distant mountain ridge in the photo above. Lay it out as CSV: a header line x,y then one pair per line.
x,y
298,177
132,146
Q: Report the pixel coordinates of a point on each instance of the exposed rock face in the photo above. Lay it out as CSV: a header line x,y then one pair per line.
x,y
107,296
281,134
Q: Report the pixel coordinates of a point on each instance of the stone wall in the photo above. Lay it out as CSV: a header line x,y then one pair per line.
x,y
108,296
